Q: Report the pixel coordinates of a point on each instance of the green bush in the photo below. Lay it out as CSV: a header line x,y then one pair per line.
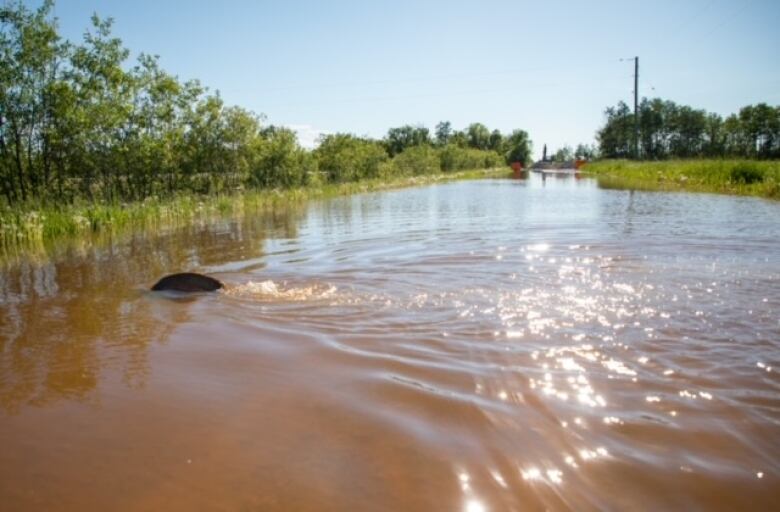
x,y
415,161
281,162
343,157
746,173
455,158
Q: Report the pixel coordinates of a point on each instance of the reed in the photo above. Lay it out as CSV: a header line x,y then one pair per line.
x,y
739,177
30,227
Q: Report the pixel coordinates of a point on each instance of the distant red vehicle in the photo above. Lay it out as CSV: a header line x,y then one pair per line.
x,y
517,170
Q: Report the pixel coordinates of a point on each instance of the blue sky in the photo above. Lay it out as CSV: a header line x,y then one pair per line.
x,y
549,67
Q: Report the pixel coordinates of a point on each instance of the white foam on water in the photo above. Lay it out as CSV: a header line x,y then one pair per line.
x,y
269,290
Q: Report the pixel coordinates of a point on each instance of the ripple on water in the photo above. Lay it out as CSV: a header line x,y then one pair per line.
x,y
472,347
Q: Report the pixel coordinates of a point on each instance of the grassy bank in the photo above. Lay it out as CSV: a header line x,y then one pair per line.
x,y
742,177
32,227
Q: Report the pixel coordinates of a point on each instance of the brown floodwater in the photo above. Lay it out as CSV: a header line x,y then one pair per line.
x,y
473,346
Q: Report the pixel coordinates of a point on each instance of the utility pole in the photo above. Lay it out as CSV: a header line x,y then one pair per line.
x,y
636,108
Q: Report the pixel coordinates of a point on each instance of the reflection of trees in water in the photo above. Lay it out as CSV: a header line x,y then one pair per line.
x,y
66,324
56,340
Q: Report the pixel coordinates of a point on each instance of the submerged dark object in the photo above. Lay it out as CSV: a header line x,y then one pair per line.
x,y
187,282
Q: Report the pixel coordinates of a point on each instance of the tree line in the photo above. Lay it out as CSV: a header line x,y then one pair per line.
x,y
669,130
77,122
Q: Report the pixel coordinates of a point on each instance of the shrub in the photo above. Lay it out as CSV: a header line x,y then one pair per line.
x,y
281,162
344,157
416,160
746,173
455,158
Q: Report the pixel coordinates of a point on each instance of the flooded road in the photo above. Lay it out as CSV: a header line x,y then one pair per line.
x,y
478,346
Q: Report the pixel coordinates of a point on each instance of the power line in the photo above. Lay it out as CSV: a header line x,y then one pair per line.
x,y
636,103
732,15
415,79
690,19
578,84
636,107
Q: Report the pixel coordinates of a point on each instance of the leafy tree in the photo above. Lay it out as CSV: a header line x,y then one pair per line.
x,y
687,128
399,139
586,151
518,147
653,127
564,154
459,138
761,127
344,157
30,54
616,137
496,141
443,133
103,91
478,136
668,130
714,136
79,121
280,161
735,140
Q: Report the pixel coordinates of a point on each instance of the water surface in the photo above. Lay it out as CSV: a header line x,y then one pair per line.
x,y
480,346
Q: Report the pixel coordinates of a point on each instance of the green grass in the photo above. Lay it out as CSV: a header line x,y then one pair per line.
x,y
741,177
31,230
